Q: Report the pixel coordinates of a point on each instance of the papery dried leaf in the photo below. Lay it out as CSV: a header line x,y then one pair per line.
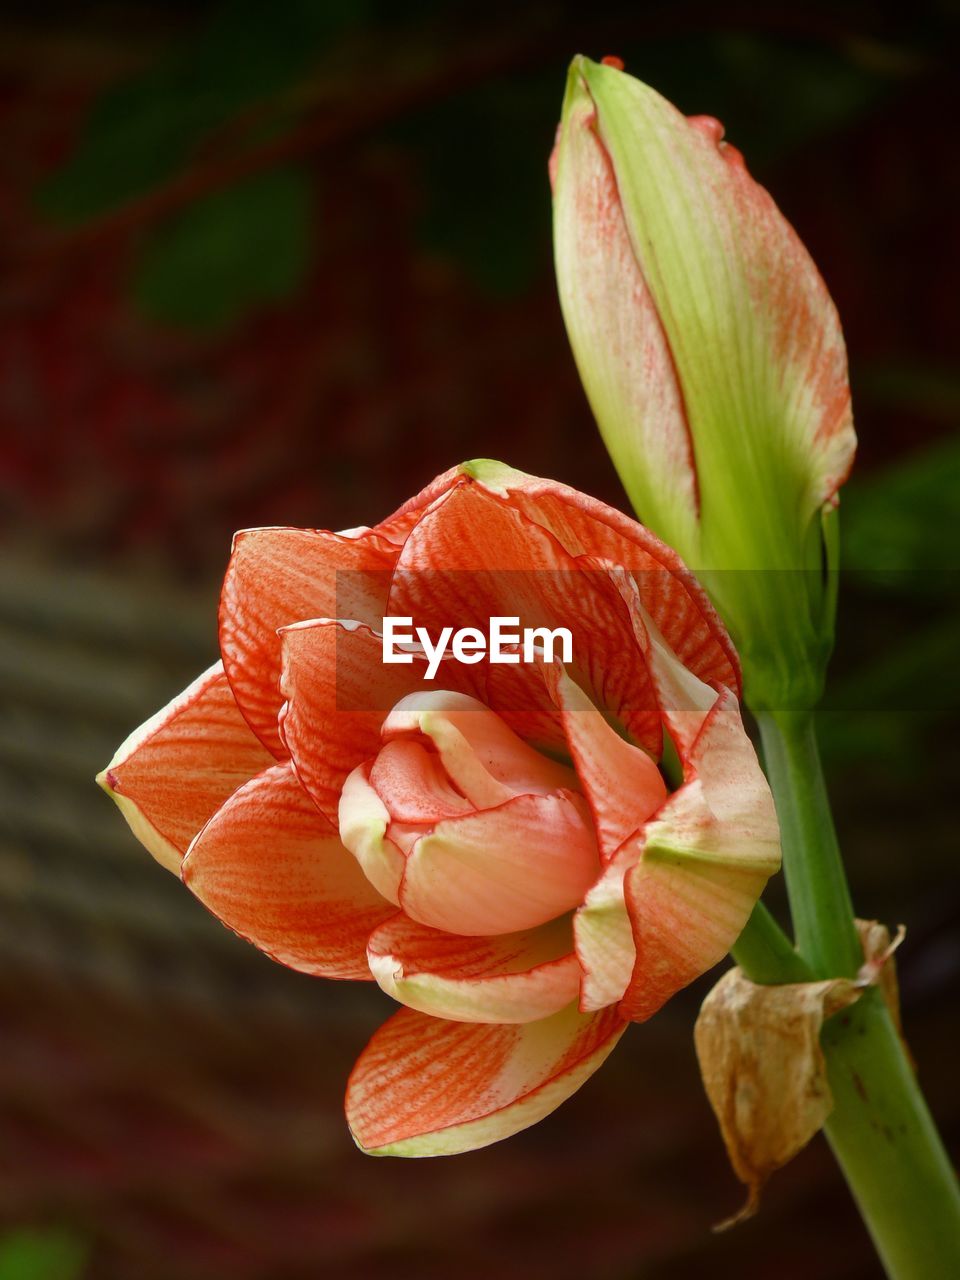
x,y
762,1065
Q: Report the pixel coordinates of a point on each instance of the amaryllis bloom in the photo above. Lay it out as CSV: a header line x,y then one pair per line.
x,y
497,847
714,362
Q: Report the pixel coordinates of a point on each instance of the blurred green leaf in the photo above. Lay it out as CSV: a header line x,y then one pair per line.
x,y
229,252
896,677
885,713
904,520
42,1255
140,133
484,173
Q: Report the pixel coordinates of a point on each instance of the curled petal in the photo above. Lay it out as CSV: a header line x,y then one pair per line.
x,y
502,870
622,783
705,859
277,577
515,977
413,785
272,868
176,770
604,936
426,1087
363,820
479,751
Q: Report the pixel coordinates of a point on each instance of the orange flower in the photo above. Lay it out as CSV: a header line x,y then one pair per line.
x,y
497,847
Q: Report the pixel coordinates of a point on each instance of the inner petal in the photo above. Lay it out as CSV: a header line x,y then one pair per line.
x,y
411,782
502,870
482,755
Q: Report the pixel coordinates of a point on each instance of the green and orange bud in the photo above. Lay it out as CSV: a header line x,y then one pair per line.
x,y
713,359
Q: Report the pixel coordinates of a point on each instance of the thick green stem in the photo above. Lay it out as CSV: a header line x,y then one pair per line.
x,y
816,884
764,953
880,1128
887,1145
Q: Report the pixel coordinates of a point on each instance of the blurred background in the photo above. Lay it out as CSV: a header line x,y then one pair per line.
x,y
281,264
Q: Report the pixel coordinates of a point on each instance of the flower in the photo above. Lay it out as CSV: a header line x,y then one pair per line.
x,y
496,848
714,362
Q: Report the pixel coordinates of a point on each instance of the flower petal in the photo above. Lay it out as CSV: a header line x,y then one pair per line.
x,y
504,869
705,859
338,692
622,784
516,977
604,935
426,1087
618,341
479,751
413,785
668,590
474,557
281,576
270,865
363,819
175,771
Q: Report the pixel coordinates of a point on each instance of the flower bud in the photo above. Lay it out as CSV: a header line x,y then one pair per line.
x,y
714,362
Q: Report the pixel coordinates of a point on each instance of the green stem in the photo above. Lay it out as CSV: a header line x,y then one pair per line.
x,y
764,952
880,1129
816,884
887,1145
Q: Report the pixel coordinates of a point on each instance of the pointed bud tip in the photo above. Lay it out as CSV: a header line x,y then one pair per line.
x,y
611,60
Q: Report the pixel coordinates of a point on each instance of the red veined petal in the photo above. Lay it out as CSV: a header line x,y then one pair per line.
x,y
474,557
705,859
426,1087
338,692
617,338
668,590
277,577
175,771
272,868
621,782
515,977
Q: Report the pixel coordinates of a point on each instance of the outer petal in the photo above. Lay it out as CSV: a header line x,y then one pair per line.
x,y
705,860
176,770
425,1087
273,869
516,977
280,576
504,869
586,527
473,557
397,526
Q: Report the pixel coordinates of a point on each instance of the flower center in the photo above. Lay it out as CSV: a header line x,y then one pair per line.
x,y
463,824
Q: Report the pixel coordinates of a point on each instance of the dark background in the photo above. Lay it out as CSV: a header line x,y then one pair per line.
x,y
281,264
